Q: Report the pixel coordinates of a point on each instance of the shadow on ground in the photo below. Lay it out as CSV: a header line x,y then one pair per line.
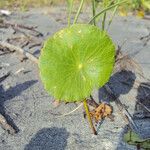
x,y
143,99
141,117
10,94
120,83
49,139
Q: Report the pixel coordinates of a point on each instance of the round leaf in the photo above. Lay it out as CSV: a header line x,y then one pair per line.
x,y
76,60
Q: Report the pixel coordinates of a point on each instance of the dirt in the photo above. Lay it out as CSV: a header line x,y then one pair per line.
x,y
29,108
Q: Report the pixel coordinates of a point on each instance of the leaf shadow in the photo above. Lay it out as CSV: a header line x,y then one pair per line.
x,y
49,139
120,83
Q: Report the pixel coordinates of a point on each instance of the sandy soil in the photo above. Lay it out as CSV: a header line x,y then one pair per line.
x,y
28,107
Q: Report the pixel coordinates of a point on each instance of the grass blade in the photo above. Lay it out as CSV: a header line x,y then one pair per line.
x,y
103,21
106,9
94,11
69,7
78,12
113,14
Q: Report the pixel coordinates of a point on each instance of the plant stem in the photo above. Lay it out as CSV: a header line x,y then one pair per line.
x,y
103,21
113,14
106,9
94,11
88,116
70,5
78,12
104,16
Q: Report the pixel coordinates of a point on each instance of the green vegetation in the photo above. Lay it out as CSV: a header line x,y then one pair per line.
x,y
76,60
138,7
79,58
133,139
132,5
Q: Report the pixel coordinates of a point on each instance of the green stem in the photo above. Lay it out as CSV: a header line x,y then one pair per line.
x,y
103,21
106,9
69,12
89,117
94,11
113,14
78,12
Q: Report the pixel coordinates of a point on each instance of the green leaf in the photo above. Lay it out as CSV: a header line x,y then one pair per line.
x,y
78,12
146,4
76,60
133,139
106,3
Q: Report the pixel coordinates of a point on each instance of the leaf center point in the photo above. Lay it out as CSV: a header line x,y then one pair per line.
x,y
80,66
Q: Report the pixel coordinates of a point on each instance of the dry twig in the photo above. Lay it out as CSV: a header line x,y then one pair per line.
x,y
6,24
6,126
21,51
3,121
124,112
125,62
4,77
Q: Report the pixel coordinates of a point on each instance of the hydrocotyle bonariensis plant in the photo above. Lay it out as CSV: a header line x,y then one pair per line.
x,y
76,60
